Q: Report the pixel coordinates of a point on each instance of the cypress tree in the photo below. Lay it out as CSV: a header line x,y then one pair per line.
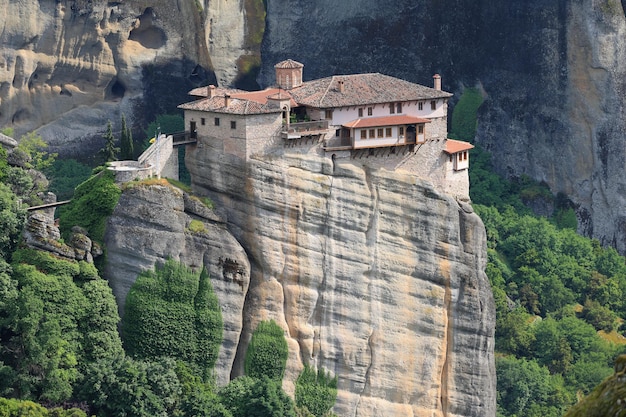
x,y
109,152
126,142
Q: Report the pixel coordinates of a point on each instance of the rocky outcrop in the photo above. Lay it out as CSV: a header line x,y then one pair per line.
x,y
68,66
42,232
552,74
154,223
374,275
607,399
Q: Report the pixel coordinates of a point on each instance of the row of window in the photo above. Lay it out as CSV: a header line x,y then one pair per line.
x,y
393,109
374,133
378,132
233,123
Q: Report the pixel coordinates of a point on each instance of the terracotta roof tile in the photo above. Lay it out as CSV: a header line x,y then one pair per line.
x,y
361,89
385,121
289,64
455,146
236,106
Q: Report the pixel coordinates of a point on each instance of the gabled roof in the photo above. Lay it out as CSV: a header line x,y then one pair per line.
x,y
361,89
217,104
385,121
455,146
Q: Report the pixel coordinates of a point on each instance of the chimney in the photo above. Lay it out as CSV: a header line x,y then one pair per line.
x,y
340,86
210,91
226,100
437,82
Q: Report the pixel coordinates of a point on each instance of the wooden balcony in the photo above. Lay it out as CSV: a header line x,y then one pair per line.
x,y
300,129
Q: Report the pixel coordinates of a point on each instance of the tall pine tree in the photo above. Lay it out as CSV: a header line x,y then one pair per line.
x,y
109,152
126,142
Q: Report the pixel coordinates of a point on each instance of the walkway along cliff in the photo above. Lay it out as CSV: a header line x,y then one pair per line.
x,y
370,258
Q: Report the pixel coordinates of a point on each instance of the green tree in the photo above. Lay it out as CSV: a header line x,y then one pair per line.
x,y
34,147
464,120
94,200
21,408
12,219
172,311
317,391
109,151
123,386
267,352
127,151
47,326
256,397
526,389
65,175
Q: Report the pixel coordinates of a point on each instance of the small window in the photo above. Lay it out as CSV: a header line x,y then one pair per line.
x,y
202,121
401,130
380,132
361,112
392,108
398,108
450,158
420,129
465,156
337,132
433,105
233,124
363,134
370,110
420,106
328,114
388,132
372,133
217,121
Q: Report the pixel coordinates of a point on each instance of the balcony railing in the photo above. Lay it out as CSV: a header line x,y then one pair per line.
x,y
299,129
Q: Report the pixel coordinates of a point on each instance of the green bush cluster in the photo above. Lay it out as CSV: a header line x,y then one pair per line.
x,y
51,324
316,391
173,312
94,200
267,352
23,408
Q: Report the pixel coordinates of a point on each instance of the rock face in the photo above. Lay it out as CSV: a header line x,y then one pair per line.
x,y
68,66
152,224
552,74
374,275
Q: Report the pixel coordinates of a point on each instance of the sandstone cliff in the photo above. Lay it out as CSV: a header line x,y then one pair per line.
x,y
68,66
552,73
374,276
151,224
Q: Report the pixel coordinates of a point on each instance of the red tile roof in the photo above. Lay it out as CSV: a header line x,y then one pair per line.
x,y
289,64
385,121
361,89
236,106
456,146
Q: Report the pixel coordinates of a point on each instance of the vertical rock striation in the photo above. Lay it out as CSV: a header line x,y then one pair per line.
x,y
374,275
152,224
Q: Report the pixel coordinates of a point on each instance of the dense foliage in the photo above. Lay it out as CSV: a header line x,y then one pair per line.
x,y
267,352
173,312
65,175
316,391
48,328
559,296
17,408
94,200
256,397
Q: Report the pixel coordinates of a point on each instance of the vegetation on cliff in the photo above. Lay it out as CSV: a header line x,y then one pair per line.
x,y
559,296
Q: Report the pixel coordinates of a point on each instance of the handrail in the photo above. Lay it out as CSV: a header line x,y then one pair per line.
x,y
306,126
